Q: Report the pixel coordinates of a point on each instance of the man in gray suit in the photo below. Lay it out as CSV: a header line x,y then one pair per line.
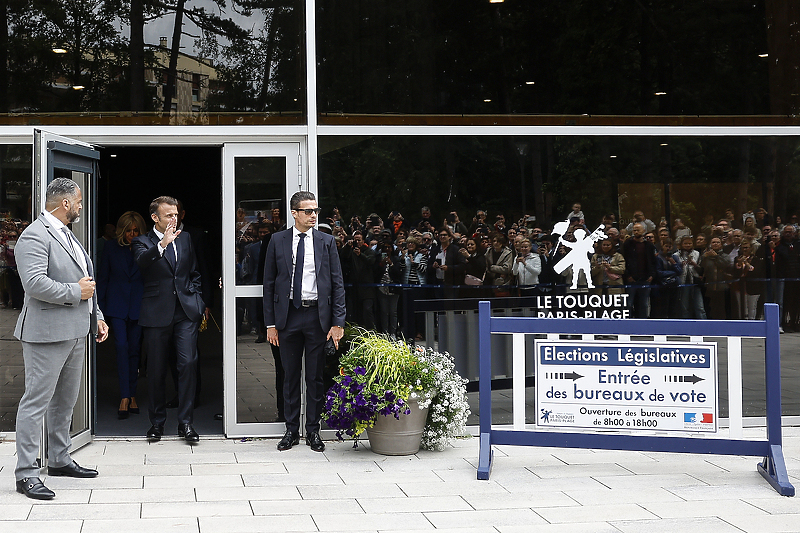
x,y
59,310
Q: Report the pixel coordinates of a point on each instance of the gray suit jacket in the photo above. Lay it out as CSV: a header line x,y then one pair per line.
x,y
53,310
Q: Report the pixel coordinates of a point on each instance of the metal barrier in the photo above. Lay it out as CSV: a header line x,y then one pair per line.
x,y
772,468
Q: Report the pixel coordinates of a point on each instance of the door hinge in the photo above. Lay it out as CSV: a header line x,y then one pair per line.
x,y
300,171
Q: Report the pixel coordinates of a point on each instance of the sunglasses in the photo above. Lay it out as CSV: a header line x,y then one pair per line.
x,y
309,212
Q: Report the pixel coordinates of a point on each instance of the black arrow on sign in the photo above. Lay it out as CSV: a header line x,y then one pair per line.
x,y
573,376
683,379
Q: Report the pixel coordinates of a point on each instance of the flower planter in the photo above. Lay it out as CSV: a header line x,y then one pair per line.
x,y
390,436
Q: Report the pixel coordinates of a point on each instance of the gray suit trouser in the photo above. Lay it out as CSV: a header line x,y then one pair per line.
x,y
52,382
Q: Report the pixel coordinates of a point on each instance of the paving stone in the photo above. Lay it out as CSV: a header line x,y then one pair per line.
x,y
36,526
455,519
173,525
382,522
249,524
587,513
172,494
188,509
85,511
306,507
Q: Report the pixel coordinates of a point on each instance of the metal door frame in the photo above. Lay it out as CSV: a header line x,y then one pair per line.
x,y
50,152
296,179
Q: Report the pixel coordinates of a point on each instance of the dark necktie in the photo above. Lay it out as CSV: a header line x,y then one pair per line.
x,y
297,283
170,253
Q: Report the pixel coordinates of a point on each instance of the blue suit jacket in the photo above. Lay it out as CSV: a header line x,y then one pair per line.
x,y
119,282
278,273
164,280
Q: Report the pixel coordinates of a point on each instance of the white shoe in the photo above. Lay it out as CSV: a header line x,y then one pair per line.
x,y
780,329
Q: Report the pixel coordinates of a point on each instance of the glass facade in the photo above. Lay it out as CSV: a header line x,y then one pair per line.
x,y
471,63
573,57
138,63
199,61
15,215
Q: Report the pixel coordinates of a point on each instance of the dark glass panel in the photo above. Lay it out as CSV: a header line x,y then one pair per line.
x,y
570,57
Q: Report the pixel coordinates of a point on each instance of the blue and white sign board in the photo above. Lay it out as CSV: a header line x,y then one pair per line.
x,y
610,385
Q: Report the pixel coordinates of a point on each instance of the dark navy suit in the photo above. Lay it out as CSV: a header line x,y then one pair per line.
x,y
119,295
172,307
306,327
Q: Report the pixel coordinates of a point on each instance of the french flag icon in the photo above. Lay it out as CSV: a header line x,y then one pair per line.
x,y
703,418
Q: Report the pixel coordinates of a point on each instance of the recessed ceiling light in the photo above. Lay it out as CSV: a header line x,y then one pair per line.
x,y
78,87
664,144
59,51
487,100
529,82
660,93
613,157
763,55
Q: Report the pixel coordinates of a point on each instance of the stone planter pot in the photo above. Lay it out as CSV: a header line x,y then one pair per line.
x,y
390,436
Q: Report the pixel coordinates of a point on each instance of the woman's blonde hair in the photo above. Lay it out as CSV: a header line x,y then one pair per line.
x,y
125,221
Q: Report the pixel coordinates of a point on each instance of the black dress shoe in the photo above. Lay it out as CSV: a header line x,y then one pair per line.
x,y
289,439
172,404
188,433
32,487
71,470
313,440
155,432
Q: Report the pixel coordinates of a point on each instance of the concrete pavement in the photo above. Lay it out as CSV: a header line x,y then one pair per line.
x,y
224,485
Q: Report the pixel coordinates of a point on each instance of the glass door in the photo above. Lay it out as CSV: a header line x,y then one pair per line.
x,y
258,180
61,157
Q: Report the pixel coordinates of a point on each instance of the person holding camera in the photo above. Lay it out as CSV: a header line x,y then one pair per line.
x,y
388,271
359,260
749,269
449,266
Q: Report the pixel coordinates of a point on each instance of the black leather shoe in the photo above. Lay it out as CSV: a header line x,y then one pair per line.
x,y
155,432
313,440
32,487
188,433
289,439
71,470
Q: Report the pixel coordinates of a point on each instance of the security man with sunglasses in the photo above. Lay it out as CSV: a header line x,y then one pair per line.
x,y
304,306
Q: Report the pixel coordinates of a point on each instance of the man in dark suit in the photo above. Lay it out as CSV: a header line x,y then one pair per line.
x,y
304,306
172,307
59,311
448,265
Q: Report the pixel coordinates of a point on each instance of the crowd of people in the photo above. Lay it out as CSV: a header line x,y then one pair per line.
x,y
727,269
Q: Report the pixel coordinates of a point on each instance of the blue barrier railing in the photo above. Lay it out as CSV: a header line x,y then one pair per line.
x,y
773,466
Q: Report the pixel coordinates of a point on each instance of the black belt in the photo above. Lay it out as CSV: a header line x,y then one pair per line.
x,y
309,303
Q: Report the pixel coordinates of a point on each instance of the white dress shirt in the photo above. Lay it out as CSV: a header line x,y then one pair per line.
x,y
309,288
74,245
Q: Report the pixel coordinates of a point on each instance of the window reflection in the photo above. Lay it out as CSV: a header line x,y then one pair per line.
x,y
715,206
15,202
